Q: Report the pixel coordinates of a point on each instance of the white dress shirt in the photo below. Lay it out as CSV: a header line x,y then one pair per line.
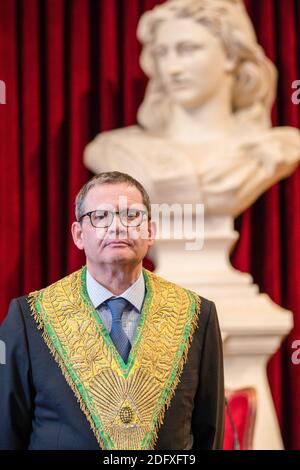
x,y
135,295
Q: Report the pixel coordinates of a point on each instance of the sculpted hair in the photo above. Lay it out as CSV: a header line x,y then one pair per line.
x,y
254,74
110,177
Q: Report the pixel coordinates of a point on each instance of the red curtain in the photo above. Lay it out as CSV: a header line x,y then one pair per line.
x,y
71,70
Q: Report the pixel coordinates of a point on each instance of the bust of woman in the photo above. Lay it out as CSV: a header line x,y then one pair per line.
x,y
204,131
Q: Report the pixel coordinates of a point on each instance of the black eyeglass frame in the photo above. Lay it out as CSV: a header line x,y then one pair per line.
x,y
113,213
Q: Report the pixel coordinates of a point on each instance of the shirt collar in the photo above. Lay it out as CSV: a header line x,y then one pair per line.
x,y
98,294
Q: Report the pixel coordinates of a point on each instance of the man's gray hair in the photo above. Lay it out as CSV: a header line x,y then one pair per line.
x,y
110,177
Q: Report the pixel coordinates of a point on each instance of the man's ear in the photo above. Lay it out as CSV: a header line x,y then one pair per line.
x,y
76,230
151,232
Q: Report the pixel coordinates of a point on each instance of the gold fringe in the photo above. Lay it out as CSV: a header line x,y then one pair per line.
x,y
194,325
32,298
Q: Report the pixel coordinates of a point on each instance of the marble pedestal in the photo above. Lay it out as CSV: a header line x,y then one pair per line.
x,y
252,325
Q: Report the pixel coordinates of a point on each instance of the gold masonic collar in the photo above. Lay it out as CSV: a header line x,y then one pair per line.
x,y
124,403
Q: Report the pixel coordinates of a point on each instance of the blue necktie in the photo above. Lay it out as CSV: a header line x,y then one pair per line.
x,y
117,334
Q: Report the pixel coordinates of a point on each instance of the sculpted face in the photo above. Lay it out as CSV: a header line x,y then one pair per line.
x,y
190,61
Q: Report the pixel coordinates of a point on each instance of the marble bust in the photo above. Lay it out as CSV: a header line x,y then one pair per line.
x,y
204,130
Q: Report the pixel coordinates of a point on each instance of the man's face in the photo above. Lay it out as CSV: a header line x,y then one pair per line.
x,y
115,244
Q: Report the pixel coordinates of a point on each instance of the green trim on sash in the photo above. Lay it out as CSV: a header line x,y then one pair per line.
x,y
82,347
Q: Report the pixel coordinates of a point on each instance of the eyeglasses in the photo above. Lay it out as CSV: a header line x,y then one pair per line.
x,y
103,218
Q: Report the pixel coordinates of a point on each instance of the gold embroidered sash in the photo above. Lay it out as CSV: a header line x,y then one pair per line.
x,y
124,403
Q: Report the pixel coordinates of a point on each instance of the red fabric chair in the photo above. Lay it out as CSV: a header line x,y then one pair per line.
x,y
240,417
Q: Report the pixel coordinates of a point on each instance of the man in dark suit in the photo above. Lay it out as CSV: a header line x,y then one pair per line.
x,y
112,356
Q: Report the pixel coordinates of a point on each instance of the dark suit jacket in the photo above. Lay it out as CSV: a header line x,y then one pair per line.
x,y
38,409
